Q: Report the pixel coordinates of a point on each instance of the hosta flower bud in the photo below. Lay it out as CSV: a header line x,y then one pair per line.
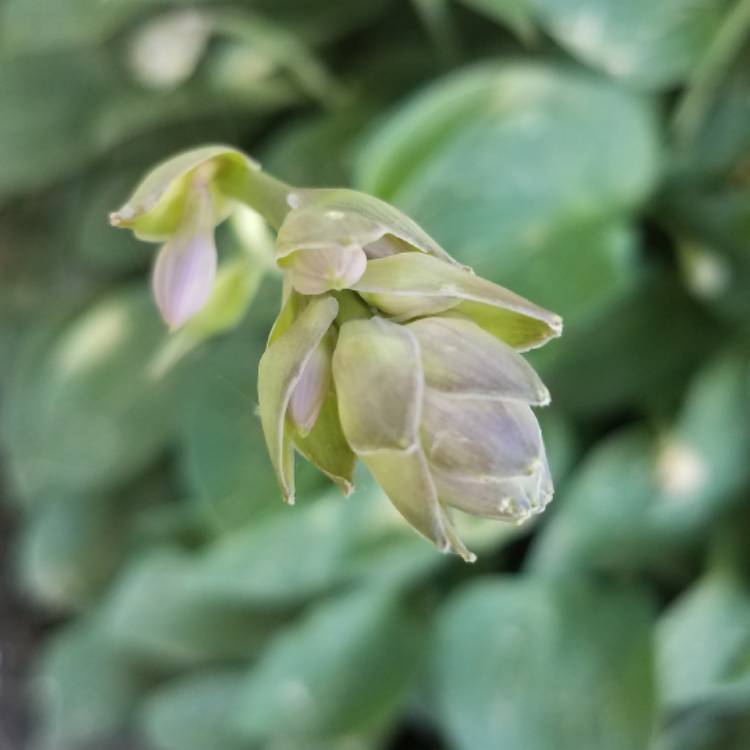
x,y
180,203
185,267
156,209
329,235
439,412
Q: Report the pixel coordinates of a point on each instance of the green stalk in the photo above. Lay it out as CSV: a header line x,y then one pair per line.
x,y
261,192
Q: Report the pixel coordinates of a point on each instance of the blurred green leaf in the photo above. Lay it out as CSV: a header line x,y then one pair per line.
x,y
720,146
83,690
38,25
177,607
184,608
192,712
598,264
645,344
164,611
68,550
293,152
636,499
719,720
61,110
516,14
713,227
650,45
82,412
41,25
527,665
702,636
489,160
343,669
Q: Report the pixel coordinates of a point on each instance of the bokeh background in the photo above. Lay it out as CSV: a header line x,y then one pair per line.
x,y
156,594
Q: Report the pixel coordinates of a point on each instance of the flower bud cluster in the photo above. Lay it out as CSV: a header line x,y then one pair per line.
x,y
386,350
390,352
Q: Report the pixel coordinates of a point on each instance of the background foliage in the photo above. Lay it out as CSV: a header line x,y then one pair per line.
x,y
593,155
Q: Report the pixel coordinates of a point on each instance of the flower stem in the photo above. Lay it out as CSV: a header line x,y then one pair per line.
x,y
263,193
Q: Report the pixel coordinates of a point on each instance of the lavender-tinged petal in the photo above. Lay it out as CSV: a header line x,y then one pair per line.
x,y
476,437
318,271
279,371
311,389
462,359
511,499
184,275
405,477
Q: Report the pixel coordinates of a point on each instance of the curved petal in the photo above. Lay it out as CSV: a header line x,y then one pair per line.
x,y
510,499
479,437
312,387
184,274
405,477
347,217
326,447
402,307
154,211
378,380
460,358
317,271
513,319
279,371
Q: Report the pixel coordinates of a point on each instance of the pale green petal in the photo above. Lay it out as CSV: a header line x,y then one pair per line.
x,y
404,307
326,446
322,270
475,437
378,380
317,228
460,358
155,209
405,478
513,319
347,217
279,372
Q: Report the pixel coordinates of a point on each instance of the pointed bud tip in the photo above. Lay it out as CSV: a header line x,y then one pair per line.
x,y
447,549
347,488
119,218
